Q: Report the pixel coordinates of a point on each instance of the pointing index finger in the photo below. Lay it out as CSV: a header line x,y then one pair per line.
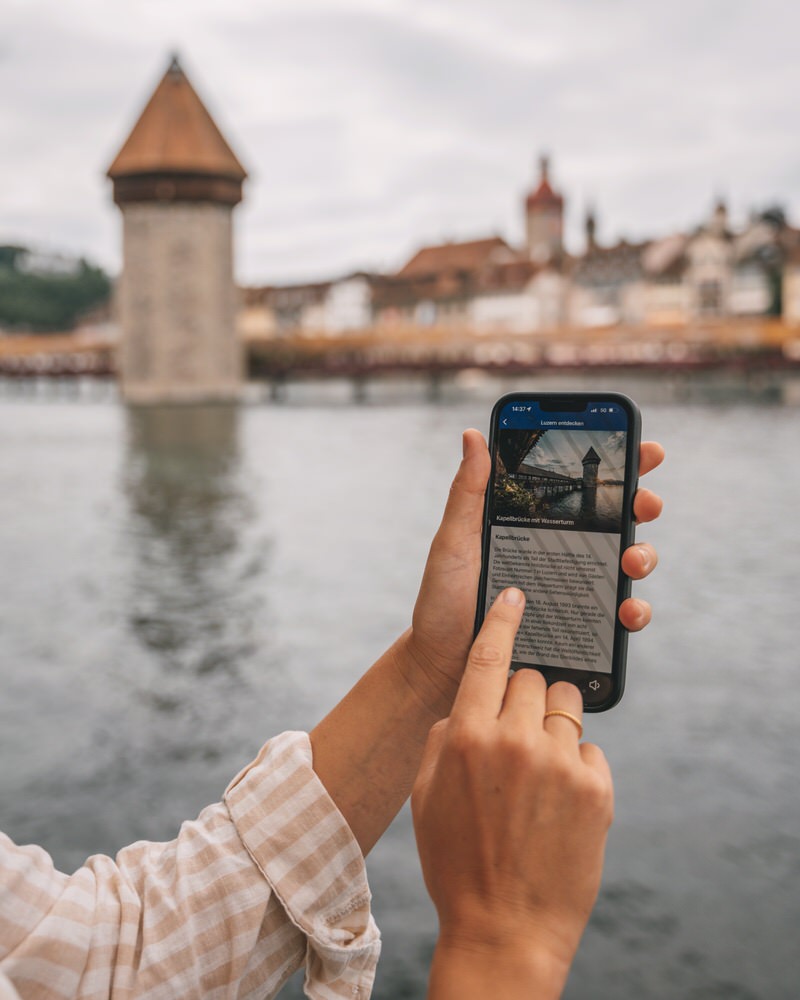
x,y
483,685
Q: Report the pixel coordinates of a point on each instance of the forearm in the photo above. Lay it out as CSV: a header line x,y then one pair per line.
x,y
368,748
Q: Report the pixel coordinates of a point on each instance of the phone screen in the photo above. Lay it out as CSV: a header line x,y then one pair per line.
x,y
558,515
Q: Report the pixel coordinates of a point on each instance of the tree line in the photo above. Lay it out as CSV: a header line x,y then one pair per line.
x,y
42,300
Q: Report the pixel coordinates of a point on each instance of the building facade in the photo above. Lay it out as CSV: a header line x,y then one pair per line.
x,y
488,286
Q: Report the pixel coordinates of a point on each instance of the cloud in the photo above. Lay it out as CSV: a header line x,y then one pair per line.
x,y
370,126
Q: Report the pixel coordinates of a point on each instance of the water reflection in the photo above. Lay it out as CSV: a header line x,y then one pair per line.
x,y
593,509
190,603
588,504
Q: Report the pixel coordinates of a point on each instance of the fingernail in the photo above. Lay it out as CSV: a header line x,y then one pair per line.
x,y
466,444
513,596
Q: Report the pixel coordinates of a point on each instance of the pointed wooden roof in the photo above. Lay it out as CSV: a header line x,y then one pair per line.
x,y
175,134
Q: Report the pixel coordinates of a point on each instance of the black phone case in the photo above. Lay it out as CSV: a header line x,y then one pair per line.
x,y
619,655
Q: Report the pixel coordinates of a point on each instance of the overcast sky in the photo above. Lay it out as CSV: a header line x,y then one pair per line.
x,y
371,127
563,451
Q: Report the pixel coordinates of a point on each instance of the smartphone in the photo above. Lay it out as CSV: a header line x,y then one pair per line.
x,y
558,516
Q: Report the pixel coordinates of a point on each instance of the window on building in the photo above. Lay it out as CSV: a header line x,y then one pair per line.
x,y
426,313
709,297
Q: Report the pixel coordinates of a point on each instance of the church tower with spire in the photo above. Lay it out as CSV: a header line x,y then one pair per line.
x,y
176,181
544,219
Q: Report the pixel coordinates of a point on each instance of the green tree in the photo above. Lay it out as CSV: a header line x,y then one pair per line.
x,y
31,300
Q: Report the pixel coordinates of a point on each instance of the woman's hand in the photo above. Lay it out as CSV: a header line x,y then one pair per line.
x,y
511,814
444,614
368,748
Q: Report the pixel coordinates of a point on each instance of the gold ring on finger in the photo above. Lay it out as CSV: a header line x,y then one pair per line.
x,y
566,715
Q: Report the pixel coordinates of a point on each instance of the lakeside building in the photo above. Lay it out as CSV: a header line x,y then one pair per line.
x,y
488,286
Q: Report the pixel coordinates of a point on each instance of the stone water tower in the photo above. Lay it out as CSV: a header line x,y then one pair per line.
x,y
591,464
177,181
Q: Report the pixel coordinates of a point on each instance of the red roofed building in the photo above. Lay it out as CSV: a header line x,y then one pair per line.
x,y
437,285
469,256
478,285
488,286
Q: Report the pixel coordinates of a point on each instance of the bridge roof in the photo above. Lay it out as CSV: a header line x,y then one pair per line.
x,y
540,473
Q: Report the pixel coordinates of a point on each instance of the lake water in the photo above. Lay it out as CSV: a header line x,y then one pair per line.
x,y
597,509
179,584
